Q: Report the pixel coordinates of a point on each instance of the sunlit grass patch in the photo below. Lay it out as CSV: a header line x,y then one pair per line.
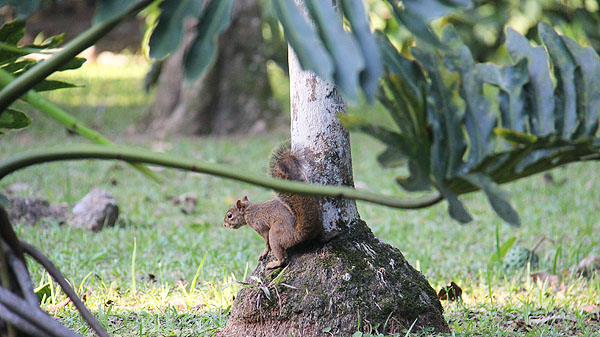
x,y
103,86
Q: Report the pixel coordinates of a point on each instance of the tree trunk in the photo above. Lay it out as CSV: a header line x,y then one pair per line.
x,y
352,282
233,96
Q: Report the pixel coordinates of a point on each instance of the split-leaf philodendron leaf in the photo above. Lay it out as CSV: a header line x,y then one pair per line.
x,y
458,139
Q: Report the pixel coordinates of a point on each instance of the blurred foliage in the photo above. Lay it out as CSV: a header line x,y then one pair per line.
x,y
15,61
456,138
482,27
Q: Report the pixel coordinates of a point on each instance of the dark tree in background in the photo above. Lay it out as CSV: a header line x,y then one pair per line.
x,y
233,96
73,17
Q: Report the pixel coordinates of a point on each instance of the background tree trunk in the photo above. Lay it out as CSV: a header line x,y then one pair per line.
x,y
354,280
234,95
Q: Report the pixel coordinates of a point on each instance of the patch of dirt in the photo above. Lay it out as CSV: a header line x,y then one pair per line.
x,y
29,210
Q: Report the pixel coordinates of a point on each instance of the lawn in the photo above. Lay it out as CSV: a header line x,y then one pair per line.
x,y
161,271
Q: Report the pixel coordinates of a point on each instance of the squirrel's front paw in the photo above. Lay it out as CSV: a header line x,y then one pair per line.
x,y
263,255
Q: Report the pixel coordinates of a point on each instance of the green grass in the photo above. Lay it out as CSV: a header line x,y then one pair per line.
x,y
174,249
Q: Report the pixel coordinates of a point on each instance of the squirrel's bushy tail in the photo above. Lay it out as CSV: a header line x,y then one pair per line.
x,y
287,164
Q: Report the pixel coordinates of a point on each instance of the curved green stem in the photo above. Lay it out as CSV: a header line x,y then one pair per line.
x,y
21,50
40,71
131,154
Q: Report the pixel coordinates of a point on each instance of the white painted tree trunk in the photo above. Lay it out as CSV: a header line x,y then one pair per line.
x,y
317,131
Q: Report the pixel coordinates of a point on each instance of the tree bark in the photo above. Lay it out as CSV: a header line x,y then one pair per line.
x,y
233,96
317,131
353,281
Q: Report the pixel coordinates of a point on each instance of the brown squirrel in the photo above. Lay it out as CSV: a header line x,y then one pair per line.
x,y
285,221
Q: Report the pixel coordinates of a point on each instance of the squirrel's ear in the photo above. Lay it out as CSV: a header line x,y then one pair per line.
x,y
238,204
245,198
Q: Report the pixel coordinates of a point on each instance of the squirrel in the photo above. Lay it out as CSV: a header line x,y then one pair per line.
x,y
285,221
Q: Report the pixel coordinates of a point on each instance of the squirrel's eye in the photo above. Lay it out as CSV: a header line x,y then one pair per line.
x,y
229,215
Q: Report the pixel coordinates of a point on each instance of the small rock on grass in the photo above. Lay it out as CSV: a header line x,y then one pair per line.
x,y
187,202
550,279
98,209
589,266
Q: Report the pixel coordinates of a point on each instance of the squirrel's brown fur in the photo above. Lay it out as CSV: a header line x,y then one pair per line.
x,y
285,221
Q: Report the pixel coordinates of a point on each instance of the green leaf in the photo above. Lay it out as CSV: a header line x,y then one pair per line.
x,y
479,120
13,119
564,71
108,9
587,84
416,25
446,120
11,33
504,248
343,48
537,157
391,158
410,117
496,197
432,9
408,113
511,81
305,41
19,66
45,290
266,291
417,181
151,78
369,76
74,63
215,18
169,31
398,147
516,137
383,134
401,66
52,42
24,7
403,99
456,209
539,90
47,85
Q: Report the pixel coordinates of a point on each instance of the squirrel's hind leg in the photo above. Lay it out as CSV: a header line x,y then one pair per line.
x,y
278,250
280,256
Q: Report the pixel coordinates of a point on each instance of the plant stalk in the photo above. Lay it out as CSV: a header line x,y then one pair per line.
x,y
130,154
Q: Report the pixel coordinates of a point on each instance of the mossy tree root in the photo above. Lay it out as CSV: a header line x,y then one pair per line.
x,y
354,282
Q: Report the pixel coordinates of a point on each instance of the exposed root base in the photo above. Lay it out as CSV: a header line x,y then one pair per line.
x,y
353,279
